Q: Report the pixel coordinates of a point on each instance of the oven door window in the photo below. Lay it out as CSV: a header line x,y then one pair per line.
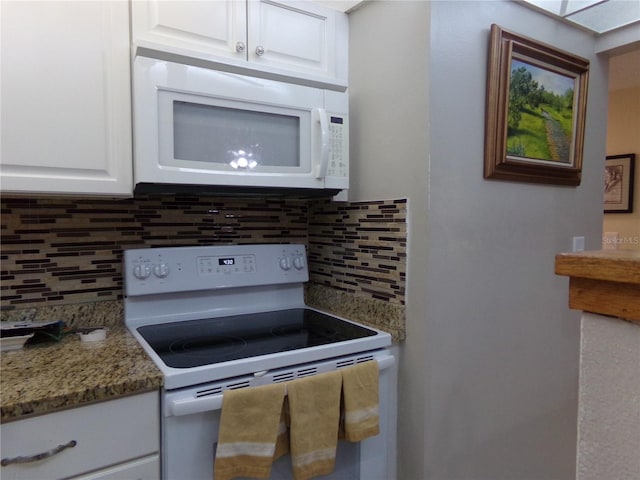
x,y
205,133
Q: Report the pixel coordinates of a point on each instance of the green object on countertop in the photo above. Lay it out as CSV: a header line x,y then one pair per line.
x,y
53,332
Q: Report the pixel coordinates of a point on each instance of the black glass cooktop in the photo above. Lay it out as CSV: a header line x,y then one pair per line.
x,y
206,341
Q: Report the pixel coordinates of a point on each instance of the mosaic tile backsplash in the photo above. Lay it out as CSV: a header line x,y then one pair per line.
x,y
60,251
360,247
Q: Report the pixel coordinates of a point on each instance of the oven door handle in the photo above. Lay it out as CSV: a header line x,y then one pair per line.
x,y
189,405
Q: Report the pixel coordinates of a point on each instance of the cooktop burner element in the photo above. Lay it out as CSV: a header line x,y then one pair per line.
x,y
193,343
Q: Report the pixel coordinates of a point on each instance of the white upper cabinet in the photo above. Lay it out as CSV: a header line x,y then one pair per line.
x,y
298,39
65,97
202,29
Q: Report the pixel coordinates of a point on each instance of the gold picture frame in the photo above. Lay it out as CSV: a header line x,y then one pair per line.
x,y
535,111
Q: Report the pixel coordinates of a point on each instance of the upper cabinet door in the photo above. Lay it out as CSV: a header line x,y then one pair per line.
x,y
66,100
205,29
299,40
300,36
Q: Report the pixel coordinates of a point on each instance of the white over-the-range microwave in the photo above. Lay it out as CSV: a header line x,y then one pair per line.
x,y
225,132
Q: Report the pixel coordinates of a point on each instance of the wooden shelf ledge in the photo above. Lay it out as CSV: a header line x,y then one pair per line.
x,y
605,281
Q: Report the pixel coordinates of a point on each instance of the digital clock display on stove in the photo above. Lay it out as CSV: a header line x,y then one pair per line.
x,y
226,261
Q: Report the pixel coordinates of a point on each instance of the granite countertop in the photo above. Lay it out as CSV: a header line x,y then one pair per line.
x,y
46,377
606,282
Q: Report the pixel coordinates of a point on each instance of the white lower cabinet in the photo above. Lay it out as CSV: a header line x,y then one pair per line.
x,y
116,439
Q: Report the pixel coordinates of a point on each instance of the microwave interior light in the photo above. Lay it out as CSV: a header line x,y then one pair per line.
x,y
243,159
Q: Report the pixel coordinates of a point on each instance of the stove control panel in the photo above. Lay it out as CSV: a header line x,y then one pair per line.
x,y
226,265
180,269
296,262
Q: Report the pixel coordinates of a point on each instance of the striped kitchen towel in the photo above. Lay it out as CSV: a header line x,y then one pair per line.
x,y
282,443
250,424
360,397
314,408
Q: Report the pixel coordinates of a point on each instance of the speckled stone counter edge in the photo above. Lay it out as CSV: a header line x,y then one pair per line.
x,y
379,314
47,398
107,313
48,377
374,313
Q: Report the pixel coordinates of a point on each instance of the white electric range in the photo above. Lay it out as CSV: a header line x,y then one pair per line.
x,y
219,317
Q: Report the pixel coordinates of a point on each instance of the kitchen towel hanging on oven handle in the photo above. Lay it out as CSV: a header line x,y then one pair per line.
x,y
361,416
250,423
251,439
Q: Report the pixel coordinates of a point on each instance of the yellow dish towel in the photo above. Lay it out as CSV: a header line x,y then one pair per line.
x,y
282,443
360,394
250,424
314,408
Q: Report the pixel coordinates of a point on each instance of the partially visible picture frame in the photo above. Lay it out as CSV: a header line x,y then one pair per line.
x,y
535,111
619,171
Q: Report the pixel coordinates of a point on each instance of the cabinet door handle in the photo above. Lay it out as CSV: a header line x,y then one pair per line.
x,y
259,50
38,456
240,47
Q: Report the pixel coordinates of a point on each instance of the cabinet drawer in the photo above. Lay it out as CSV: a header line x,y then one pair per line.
x,y
104,433
147,468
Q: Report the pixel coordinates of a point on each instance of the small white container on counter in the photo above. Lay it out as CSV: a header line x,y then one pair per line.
x,y
95,335
13,343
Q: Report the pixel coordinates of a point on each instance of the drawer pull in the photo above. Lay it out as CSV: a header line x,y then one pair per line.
x,y
38,456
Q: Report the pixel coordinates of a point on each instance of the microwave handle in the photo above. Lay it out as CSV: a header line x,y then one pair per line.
x,y
321,117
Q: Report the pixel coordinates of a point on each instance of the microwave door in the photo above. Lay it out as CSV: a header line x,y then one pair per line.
x,y
243,140
229,142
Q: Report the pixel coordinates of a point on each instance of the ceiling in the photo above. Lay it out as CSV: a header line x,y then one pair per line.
x,y
600,17
624,70
597,16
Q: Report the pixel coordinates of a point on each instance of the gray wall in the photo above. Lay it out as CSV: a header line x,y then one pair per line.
x,y
389,47
489,372
609,408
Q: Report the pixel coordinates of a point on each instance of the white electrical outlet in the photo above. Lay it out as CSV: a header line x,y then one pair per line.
x,y
610,241
578,244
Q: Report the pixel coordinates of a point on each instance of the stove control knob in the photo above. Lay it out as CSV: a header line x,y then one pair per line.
x,y
161,270
285,263
298,262
141,271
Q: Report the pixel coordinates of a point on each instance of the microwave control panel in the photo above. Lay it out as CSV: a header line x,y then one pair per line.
x,y
339,158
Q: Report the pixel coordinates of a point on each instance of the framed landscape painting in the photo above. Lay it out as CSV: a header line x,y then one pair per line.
x,y
618,183
535,112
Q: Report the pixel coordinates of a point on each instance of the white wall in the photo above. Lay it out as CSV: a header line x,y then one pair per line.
x,y
503,402
489,371
623,137
389,157
609,426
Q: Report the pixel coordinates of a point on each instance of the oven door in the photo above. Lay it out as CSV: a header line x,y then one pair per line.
x,y
191,422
